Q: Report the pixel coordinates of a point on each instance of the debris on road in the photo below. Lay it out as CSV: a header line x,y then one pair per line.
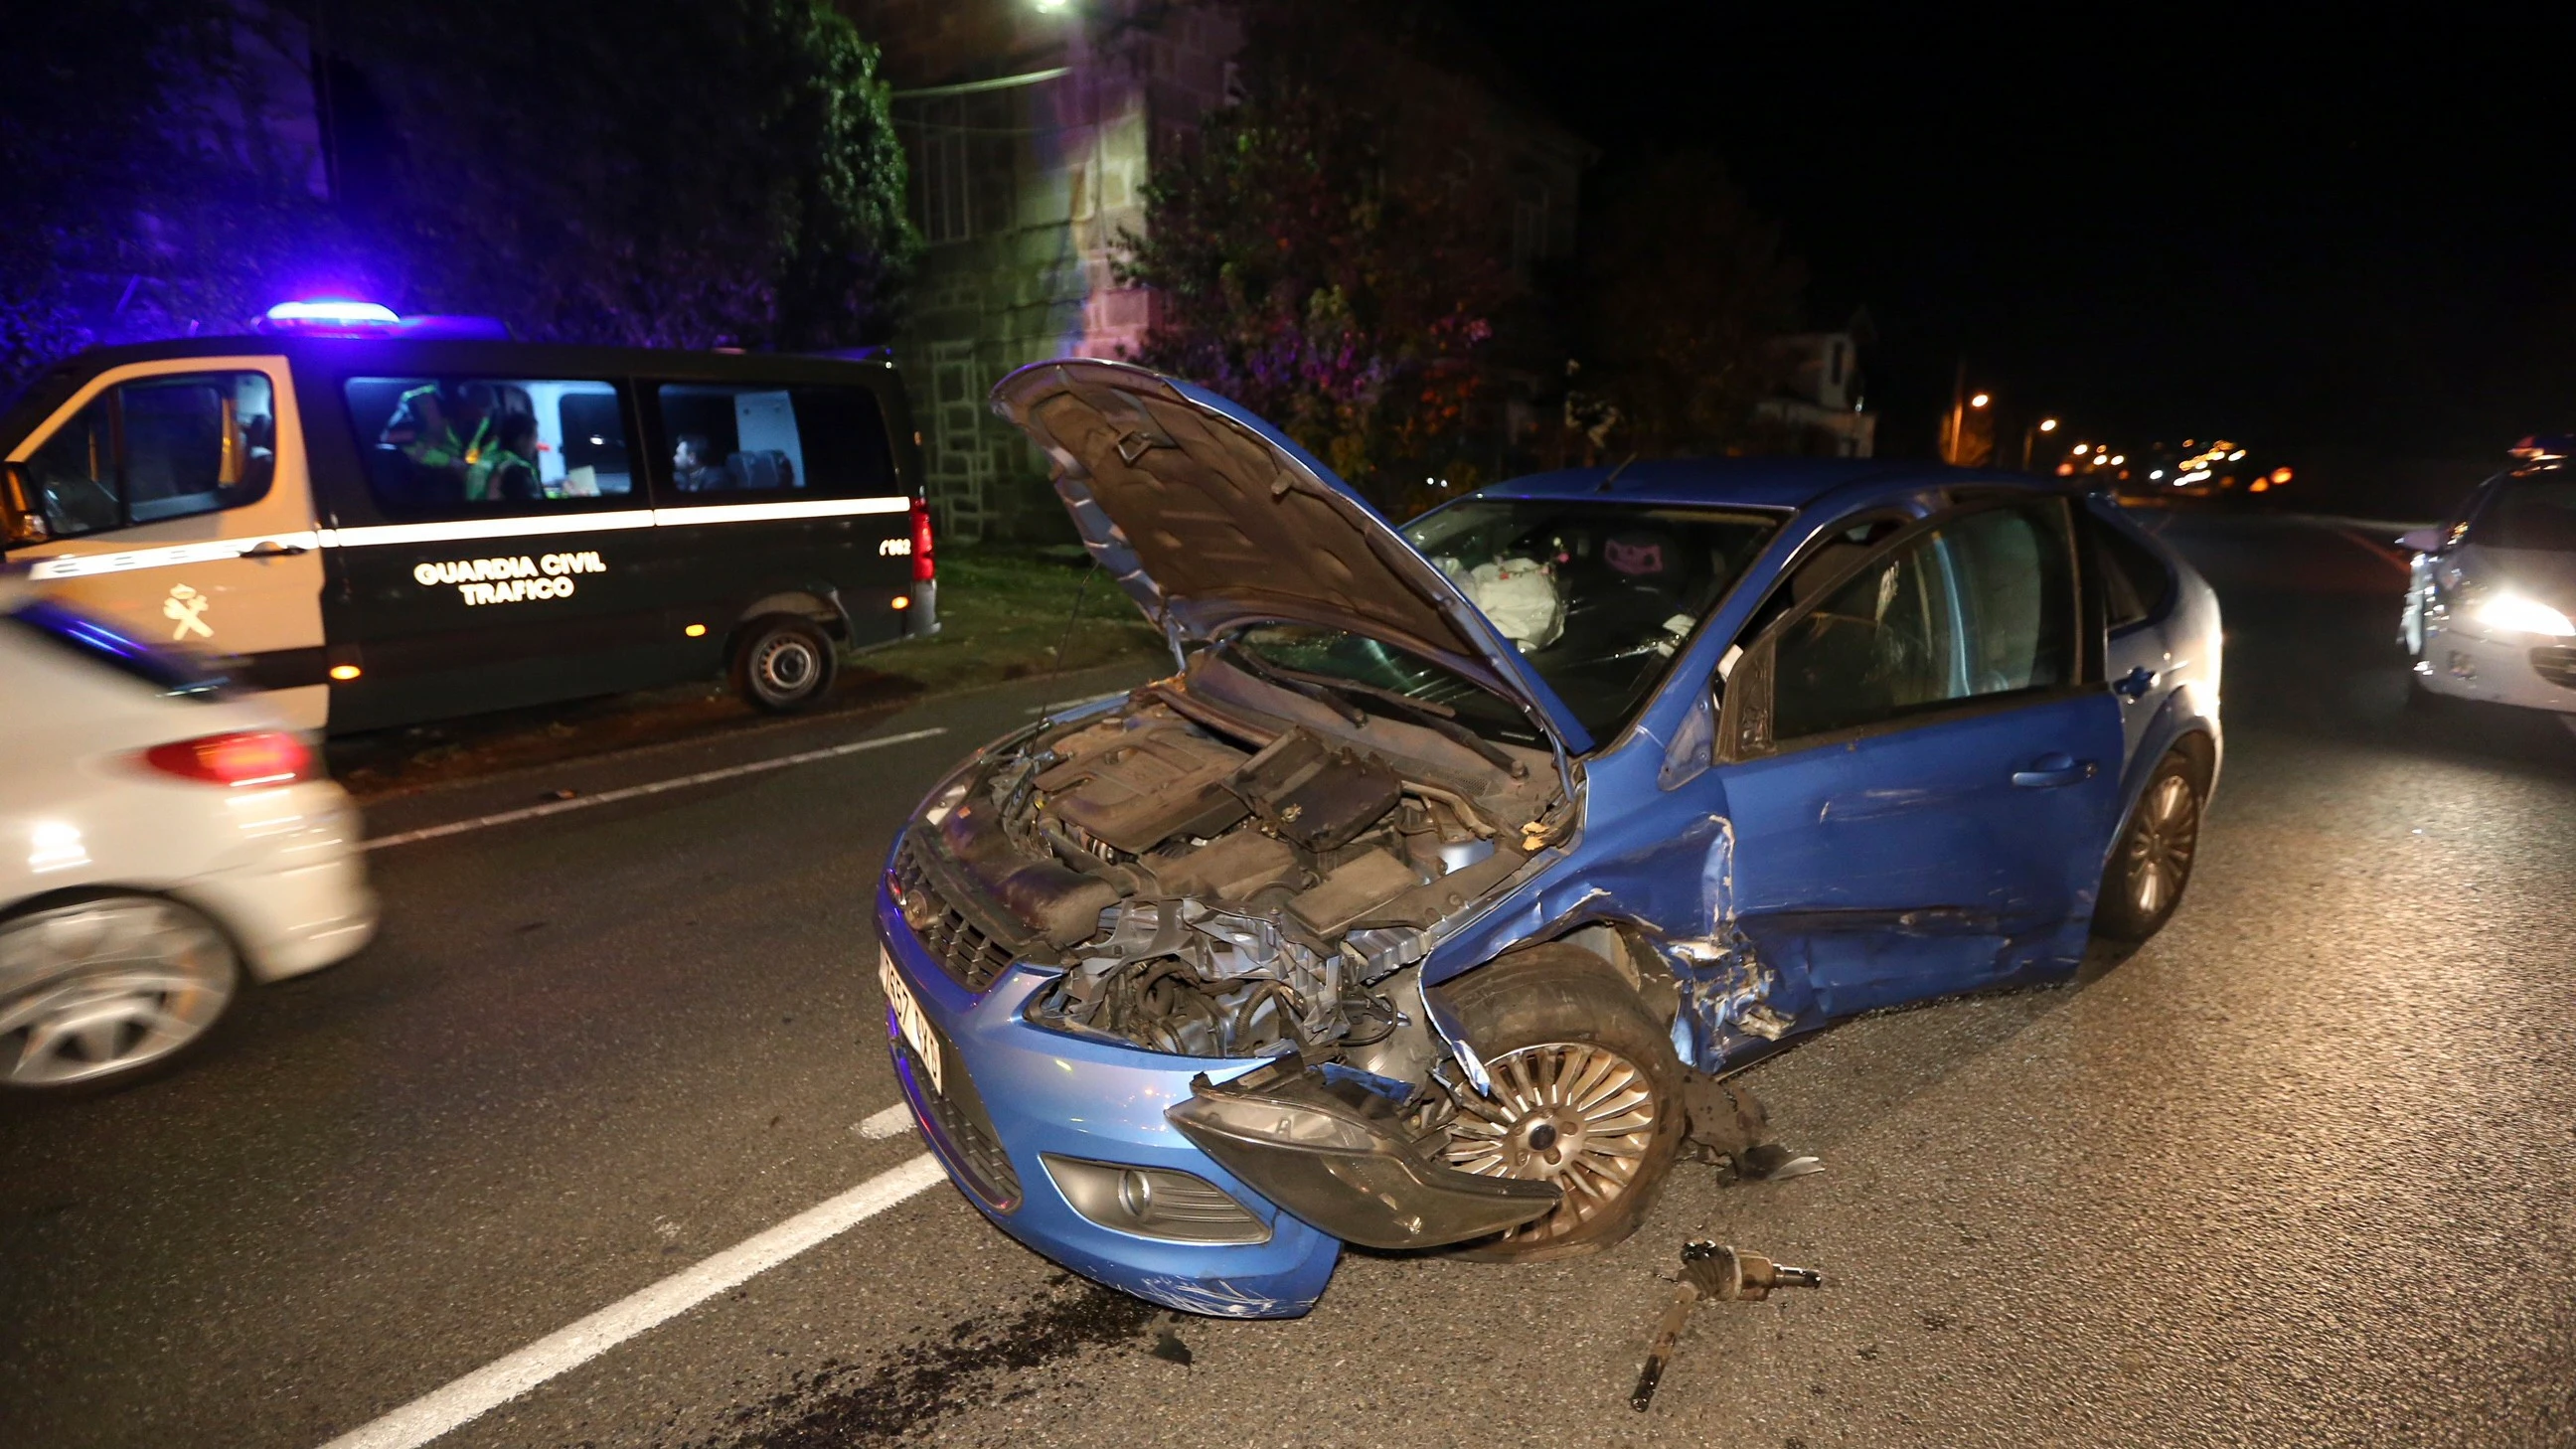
x,y
1712,1273
1729,1125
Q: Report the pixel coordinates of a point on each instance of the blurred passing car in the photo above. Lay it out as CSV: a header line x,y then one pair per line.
x,y
160,843
2491,601
1420,906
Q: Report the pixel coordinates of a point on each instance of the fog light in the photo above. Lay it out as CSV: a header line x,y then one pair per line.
x,y
695,631
1153,1202
903,601
344,671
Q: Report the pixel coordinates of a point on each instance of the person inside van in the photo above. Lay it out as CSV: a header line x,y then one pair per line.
x,y
509,472
472,412
690,471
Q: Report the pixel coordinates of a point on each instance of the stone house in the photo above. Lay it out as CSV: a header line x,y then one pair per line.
x,y
1031,127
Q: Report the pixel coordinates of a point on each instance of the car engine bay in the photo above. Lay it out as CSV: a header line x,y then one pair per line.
x,y
1228,865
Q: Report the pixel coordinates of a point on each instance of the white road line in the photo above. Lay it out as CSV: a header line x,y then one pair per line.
x,y
502,1380
898,1119
631,792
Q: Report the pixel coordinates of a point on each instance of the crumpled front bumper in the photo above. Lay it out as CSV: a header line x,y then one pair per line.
x,y
1047,1092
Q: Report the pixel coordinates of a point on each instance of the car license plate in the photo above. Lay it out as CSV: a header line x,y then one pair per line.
x,y
908,1017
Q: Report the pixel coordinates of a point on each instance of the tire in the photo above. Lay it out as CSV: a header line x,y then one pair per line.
x,y
2149,870
783,663
99,992
1571,1051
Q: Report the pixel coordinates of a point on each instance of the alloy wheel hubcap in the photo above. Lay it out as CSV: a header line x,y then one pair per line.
x,y
1572,1113
2160,852
94,989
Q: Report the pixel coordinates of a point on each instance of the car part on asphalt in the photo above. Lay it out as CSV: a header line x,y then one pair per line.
x,y
96,990
2152,863
1718,1274
783,663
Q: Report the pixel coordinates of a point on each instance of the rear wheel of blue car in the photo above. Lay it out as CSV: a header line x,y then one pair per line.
x,y
1587,1094
2152,864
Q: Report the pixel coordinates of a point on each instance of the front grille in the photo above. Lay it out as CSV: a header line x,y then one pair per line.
x,y
958,1116
971,958
2556,663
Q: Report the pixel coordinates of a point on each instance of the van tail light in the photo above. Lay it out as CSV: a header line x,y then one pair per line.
x,y
924,569
262,757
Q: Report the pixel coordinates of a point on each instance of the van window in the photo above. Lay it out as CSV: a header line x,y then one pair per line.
x,y
742,442
156,448
470,447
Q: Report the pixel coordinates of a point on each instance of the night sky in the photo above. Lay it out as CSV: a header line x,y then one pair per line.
x,y
2356,238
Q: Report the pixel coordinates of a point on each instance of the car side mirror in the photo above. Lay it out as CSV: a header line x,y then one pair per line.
x,y
1744,708
2421,540
20,521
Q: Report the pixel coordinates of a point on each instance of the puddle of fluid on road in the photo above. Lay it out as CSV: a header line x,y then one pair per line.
x,y
845,1404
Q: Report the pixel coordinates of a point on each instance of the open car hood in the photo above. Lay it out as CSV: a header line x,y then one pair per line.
x,y
1209,517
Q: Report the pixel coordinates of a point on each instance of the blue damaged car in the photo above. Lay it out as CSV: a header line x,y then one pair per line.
x,y
1422,903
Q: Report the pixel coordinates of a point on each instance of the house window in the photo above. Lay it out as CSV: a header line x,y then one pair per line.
x,y
1529,230
945,212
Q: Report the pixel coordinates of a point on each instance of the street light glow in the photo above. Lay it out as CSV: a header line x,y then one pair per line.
x,y
2082,448
2048,425
1980,400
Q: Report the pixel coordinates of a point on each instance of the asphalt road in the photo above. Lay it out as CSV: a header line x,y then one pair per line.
x,y
2300,1171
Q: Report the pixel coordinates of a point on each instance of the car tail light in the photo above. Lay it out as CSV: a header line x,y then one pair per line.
x,y
923,568
262,757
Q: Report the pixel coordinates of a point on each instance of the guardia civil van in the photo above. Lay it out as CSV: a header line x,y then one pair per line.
x,y
378,520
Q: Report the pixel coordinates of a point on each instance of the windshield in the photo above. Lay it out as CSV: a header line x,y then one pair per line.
x,y
1596,595
1310,658
2538,512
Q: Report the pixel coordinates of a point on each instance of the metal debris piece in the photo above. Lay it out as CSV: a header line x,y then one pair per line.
x,y
1711,1272
1771,1162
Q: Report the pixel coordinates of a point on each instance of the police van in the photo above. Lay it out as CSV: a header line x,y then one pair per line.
x,y
380,520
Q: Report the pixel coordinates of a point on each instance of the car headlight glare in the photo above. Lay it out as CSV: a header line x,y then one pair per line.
x,y
2522,615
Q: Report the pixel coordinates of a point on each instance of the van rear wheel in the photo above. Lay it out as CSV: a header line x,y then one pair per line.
x,y
783,663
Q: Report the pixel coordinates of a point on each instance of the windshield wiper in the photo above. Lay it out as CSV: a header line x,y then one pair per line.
x,y
1318,691
1430,714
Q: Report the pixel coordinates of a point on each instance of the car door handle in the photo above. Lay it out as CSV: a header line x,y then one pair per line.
x,y
271,548
2133,686
2053,769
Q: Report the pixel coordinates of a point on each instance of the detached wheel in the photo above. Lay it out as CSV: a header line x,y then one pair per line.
x,y
1587,1095
783,663
100,991
2148,871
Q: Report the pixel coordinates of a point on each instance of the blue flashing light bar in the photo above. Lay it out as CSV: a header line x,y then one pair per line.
x,y
332,312
335,317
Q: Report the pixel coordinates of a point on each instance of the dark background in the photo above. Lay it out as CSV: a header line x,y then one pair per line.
x,y
2348,241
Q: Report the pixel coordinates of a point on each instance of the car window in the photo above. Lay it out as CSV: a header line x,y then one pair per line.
x,y
156,448
2136,585
471,447
742,443
1597,596
1981,606
2534,512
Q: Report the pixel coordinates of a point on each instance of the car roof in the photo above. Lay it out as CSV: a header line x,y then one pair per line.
x,y
1777,483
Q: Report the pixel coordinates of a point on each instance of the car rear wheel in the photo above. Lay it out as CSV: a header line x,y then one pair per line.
x,y
98,991
783,663
1587,1094
2148,871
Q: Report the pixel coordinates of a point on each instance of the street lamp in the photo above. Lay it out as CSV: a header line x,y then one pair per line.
x,y
2030,435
